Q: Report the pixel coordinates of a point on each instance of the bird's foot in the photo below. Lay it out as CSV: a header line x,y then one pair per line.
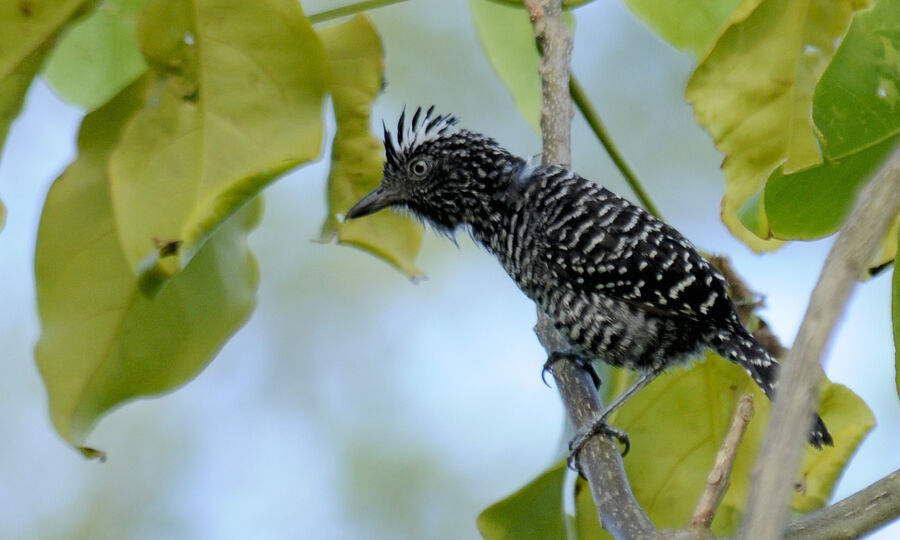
x,y
579,360
597,427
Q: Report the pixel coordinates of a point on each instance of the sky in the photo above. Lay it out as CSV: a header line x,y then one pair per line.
x,y
355,403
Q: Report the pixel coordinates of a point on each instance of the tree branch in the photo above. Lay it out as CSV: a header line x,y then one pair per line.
x,y
719,477
767,508
600,460
858,514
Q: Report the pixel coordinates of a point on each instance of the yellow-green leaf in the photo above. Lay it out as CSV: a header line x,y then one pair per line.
x,y
688,25
687,413
236,100
2,215
753,92
356,61
98,56
102,341
27,30
535,511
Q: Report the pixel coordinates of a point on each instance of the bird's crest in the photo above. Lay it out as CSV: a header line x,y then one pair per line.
x,y
421,129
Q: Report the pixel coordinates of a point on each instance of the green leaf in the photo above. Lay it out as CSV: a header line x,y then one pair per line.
x,y
687,413
356,62
814,203
103,342
507,38
535,511
753,92
688,25
98,56
27,30
895,309
236,100
856,100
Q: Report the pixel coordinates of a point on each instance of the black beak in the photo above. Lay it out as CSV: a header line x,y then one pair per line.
x,y
376,200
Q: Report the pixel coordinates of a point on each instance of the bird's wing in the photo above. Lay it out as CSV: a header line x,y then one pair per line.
x,y
599,243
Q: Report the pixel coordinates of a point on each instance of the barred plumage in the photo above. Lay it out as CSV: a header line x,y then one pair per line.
x,y
620,285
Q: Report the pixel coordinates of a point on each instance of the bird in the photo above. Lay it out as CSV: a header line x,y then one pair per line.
x,y
619,285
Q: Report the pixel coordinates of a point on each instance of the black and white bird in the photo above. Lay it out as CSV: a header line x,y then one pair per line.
x,y
620,285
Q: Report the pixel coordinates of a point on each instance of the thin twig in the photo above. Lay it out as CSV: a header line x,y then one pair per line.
x,y
600,460
858,514
719,477
593,119
777,463
350,10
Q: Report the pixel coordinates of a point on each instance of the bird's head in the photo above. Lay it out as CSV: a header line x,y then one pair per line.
x,y
443,175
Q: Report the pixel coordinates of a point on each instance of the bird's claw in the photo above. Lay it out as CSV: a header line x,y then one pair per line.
x,y
598,427
587,365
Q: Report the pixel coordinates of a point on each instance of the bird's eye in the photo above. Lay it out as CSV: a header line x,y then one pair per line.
x,y
419,167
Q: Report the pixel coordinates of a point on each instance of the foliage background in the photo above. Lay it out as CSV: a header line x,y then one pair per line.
x,y
353,403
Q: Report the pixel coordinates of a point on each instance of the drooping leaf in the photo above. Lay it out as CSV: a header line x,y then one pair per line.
x,y
677,424
507,38
688,25
535,511
103,342
753,92
27,31
895,313
98,56
356,62
236,100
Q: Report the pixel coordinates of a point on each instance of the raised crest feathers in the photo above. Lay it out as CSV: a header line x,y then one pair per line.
x,y
421,129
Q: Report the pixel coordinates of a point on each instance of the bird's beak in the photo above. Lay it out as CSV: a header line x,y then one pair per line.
x,y
376,200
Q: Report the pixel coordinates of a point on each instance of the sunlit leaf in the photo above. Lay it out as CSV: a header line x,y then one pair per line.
x,y
677,424
753,92
356,62
236,100
27,31
98,56
507,37
535,511
688,25
102,341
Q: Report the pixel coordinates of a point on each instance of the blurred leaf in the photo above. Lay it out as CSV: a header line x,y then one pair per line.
x,y
27,30
356,60
687,413
688,25
535,511
753,92
507,38
236,100
102,341
98,56
895,309
814,203
856,100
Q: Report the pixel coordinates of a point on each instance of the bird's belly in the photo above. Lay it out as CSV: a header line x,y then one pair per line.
x,y
620,334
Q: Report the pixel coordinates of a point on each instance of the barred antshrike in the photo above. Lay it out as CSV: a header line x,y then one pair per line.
x,y
620,285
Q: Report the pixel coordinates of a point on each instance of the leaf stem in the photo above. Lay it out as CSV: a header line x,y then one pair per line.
x,y
350,10
593,119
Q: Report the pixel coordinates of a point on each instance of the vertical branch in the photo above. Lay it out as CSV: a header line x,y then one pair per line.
x,y
767,508
599,459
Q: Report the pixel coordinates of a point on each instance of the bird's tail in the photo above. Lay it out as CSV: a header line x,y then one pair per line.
x,y
738,346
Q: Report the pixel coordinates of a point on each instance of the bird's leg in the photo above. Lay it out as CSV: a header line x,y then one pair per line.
x,y
599,425
579,360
